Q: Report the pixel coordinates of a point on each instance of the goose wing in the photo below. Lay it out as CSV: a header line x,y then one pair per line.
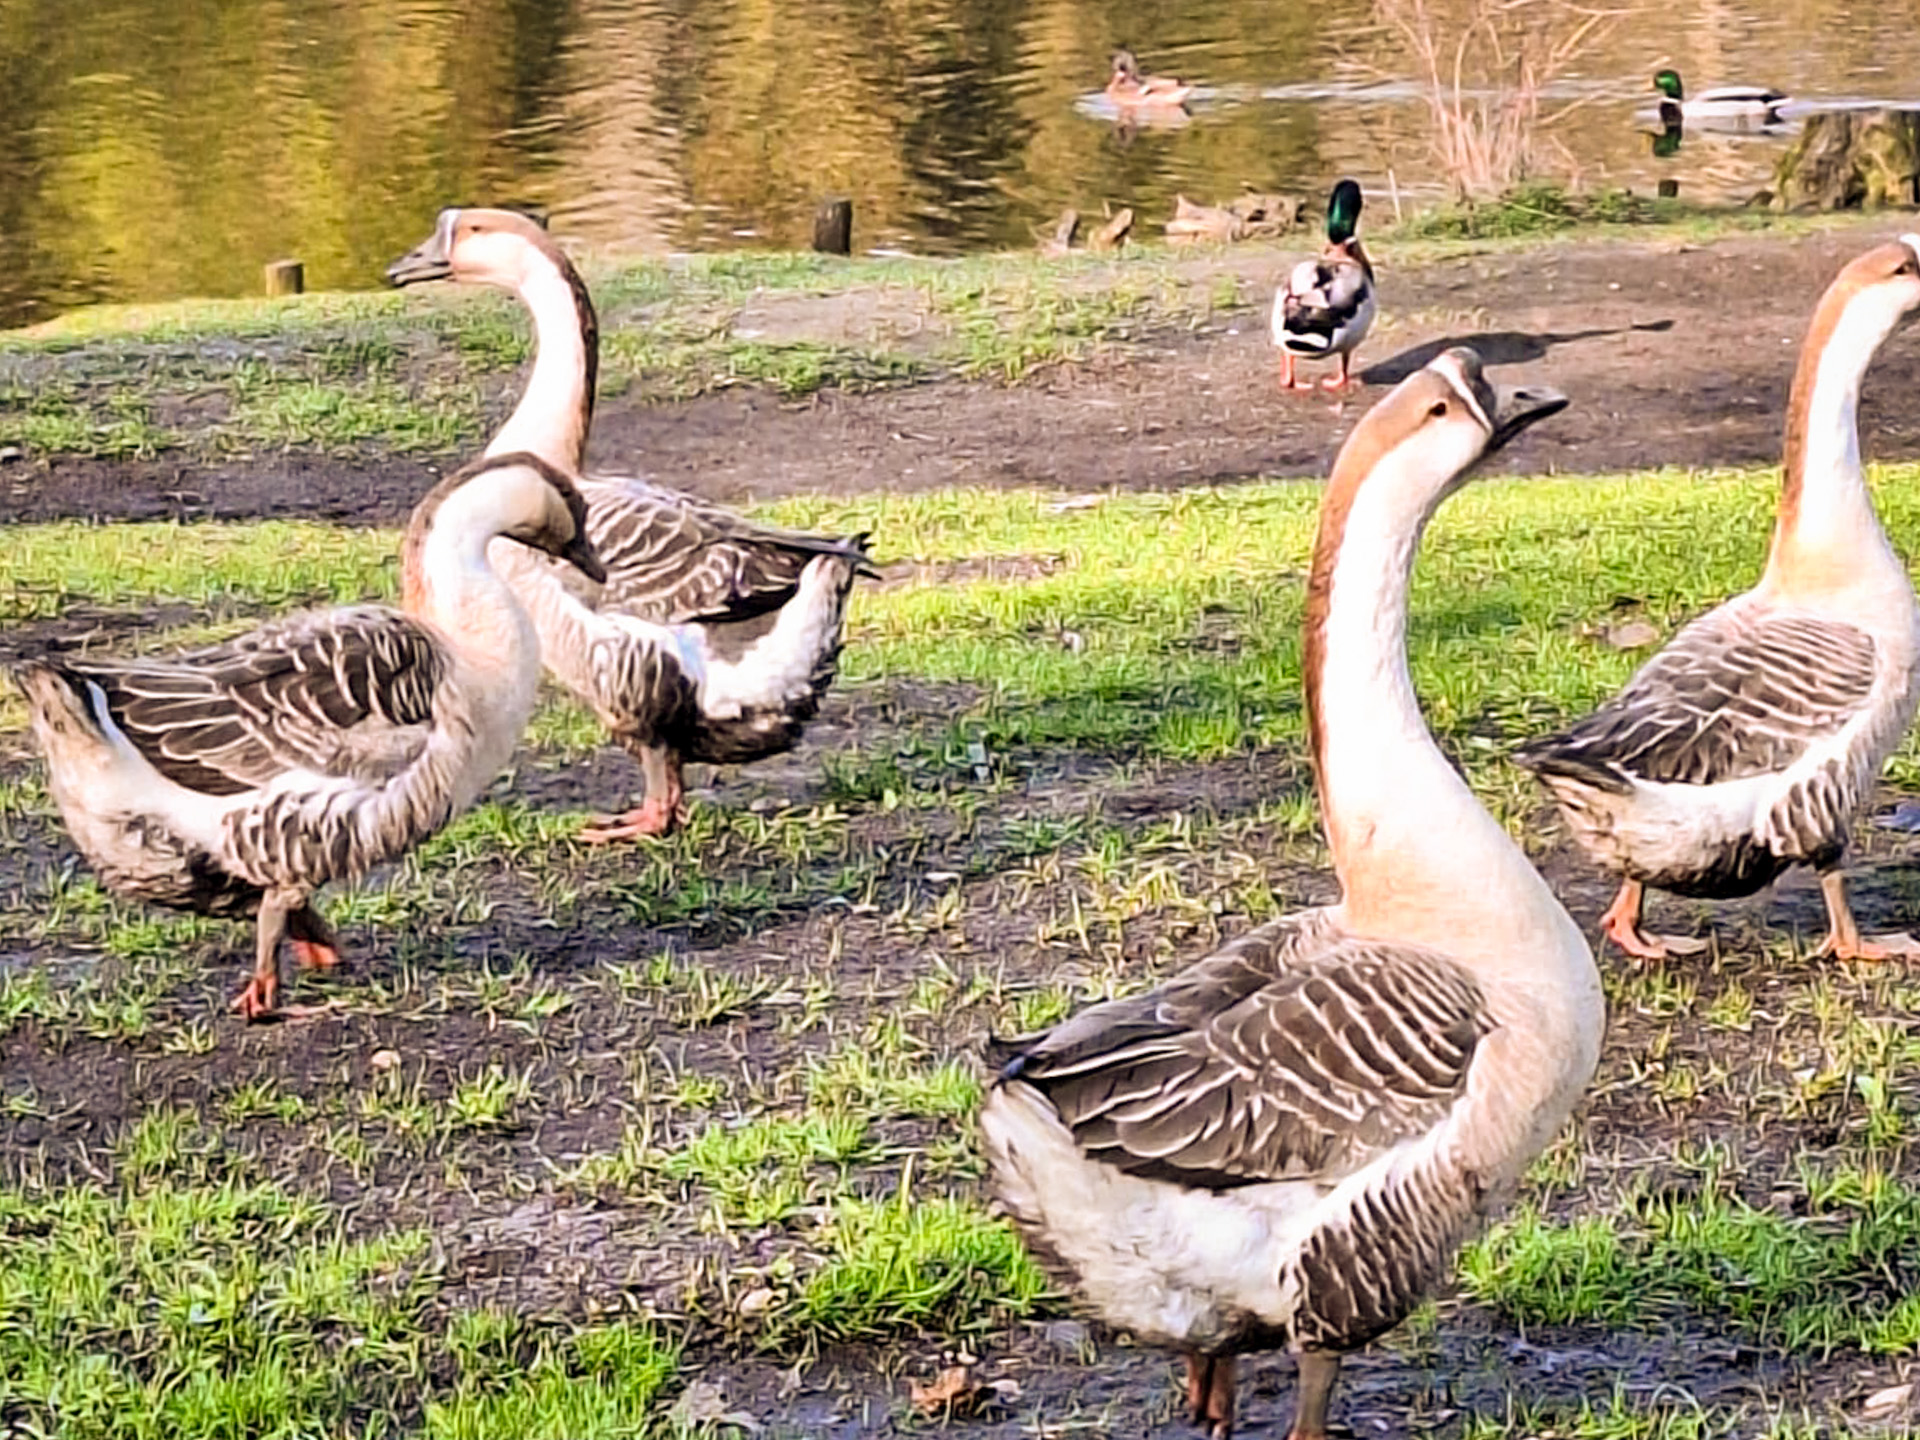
x,y
346,693
1733,695
1296,1053
672,558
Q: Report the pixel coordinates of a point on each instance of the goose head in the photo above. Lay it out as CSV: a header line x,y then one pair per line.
x,y
1125,68
1419,443
479,247
518,496
541,508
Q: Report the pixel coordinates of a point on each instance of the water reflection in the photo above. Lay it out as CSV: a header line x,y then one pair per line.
x,y
163,147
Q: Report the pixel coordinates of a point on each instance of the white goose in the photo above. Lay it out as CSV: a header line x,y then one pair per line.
x,y
1751,742
1285,1144
241,778
714,638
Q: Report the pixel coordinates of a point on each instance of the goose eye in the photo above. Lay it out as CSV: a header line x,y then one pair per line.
x,y
1908,267
1439,410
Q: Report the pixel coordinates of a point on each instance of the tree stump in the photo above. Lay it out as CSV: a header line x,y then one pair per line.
x,y
286,277
1851,159
833,226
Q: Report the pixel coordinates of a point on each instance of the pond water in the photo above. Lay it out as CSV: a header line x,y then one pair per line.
x,y
158,148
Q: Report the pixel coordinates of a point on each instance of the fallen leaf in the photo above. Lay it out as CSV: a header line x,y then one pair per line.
x,y
952,1389
1884,1402
1632,634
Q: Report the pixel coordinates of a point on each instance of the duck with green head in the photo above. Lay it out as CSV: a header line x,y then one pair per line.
x,y
1725,102
1327,304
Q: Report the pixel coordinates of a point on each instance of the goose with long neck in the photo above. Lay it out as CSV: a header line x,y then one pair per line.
x,y
237,780
1284,1145
1751,742
714,638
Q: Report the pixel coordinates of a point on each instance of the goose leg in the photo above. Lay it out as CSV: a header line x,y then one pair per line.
x,y
1844,941
315,946
1210,1393
1621,924
1314,1384
659,813
262,992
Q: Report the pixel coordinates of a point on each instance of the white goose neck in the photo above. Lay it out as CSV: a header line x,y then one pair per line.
x,y
450,584
556,408
1418,858
1827,530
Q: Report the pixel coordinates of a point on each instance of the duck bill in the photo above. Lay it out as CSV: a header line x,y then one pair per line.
x,y
1518,406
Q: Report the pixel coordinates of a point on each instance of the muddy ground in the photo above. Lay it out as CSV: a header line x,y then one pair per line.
x,y
1675,355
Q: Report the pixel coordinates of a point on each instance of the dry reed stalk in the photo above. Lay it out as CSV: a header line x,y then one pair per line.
x,y
1484,65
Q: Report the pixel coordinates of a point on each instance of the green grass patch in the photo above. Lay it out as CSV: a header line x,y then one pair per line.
x,y
1843,1274
159,1306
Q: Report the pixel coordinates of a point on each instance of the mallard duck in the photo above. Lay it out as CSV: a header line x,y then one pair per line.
x,y
1752,740
1127,87
1327,304
1726,102
714,638
239,779
1285,1144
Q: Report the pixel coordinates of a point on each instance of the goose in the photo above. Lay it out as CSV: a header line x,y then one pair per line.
x,y
1749,743
714,638
1726,102
1326,306
237,780
1127,87
1284,1144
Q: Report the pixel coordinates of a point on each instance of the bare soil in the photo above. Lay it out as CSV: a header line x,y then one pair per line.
x,y
1675,354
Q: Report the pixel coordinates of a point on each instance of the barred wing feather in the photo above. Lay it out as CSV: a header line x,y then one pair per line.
x,y
346,692
1730,697
1295,1053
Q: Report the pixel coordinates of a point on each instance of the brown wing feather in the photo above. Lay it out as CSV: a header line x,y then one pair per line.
x,y
673,559
343,692
1731,696
1294,1053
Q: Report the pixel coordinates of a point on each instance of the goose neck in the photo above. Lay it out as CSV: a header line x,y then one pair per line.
x,y
556,408
1826,528
447,581
1417,856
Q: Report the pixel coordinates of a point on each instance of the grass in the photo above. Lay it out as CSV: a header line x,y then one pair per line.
x,y
420,373
582,1126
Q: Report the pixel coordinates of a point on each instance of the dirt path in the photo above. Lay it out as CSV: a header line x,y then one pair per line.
x,y
1675,354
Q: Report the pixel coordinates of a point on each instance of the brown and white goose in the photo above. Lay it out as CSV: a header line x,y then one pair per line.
x,y
241,778
1751,742
714,638
1284,1145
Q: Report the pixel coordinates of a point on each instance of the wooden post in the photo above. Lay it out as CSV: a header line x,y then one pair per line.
x,y
833,226
286,277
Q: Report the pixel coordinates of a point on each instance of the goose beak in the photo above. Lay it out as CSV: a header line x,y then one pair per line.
x,y
1518,406
579,553
426,261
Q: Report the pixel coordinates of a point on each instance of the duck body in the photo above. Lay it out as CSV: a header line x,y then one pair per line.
x,y
1128,88
237,779
714,638
1284,1145
1752,741
1327,304
1723,102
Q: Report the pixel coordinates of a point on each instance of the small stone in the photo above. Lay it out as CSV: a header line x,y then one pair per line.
x,y
755,1302
1632,634
383,1061
11,452
1885,1402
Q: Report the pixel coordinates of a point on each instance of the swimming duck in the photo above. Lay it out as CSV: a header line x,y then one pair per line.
x,y
1285,1144
1327,305
1726,102
1750,743
714,638
239,779
1128,87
